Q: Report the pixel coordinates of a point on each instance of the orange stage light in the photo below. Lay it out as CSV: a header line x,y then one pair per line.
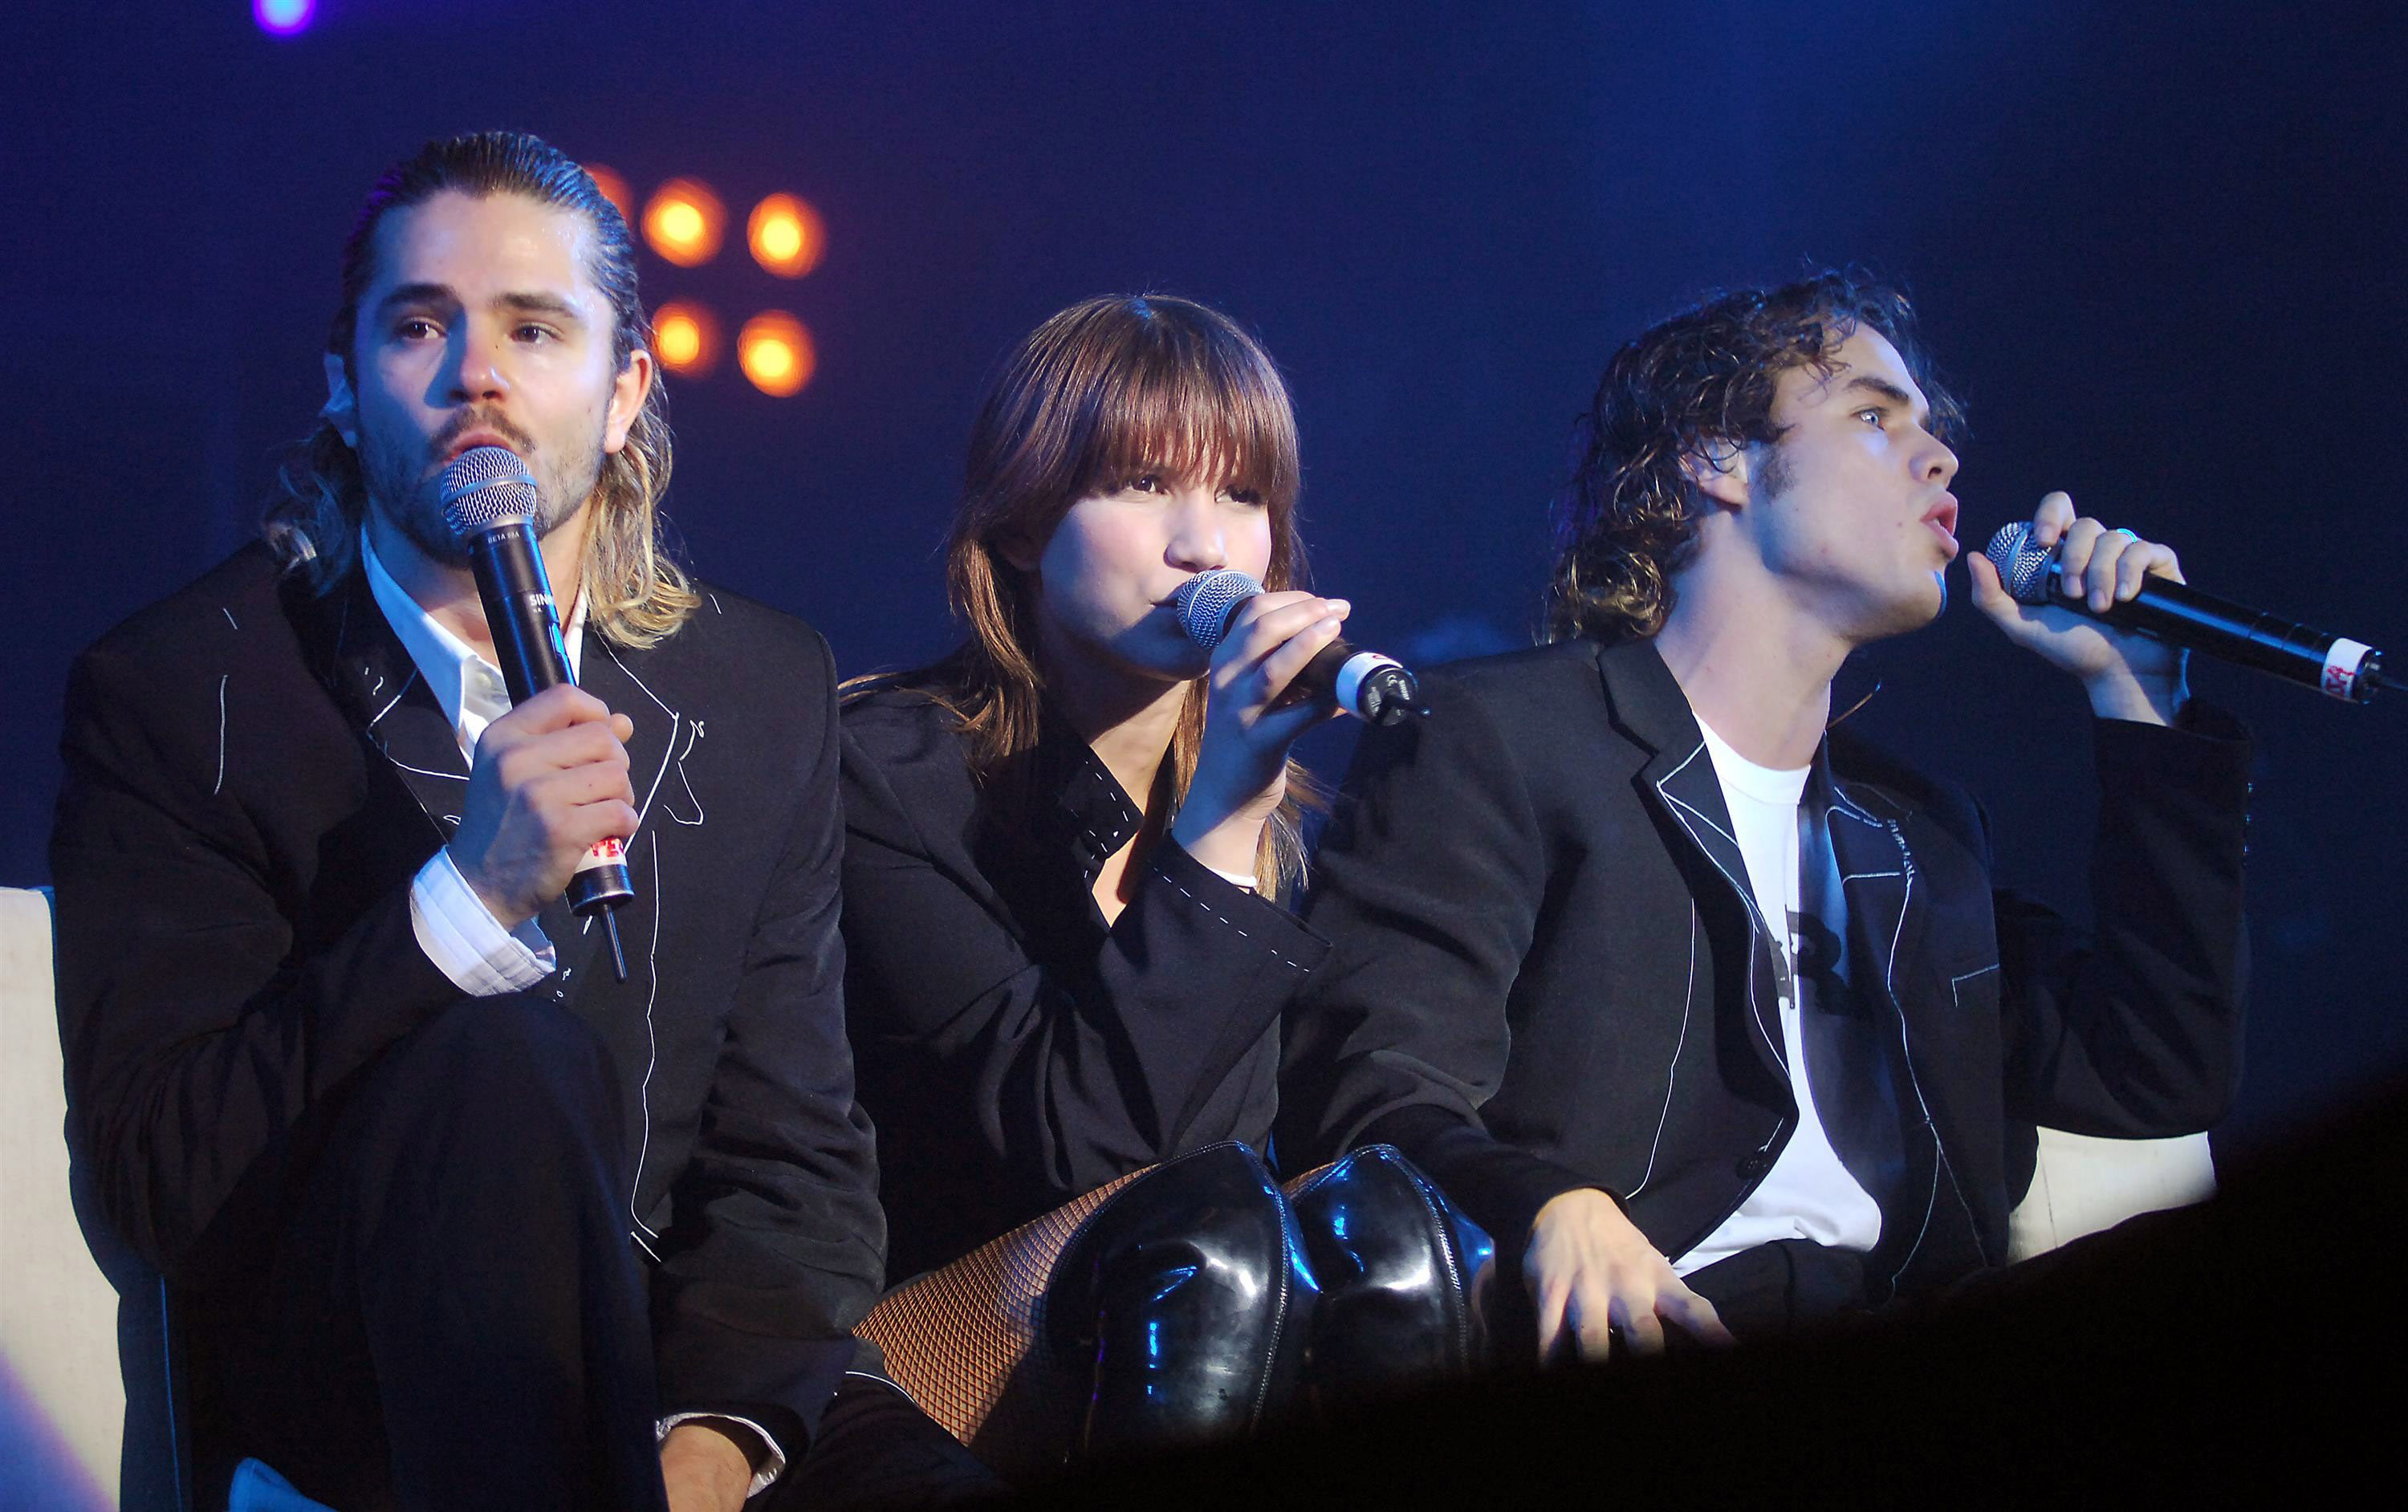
x,y
786,234
614,189
685,337
683,221
776,353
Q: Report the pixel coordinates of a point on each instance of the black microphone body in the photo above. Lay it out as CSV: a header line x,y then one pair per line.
x,y
520,611
489,504
1369,684
2182,615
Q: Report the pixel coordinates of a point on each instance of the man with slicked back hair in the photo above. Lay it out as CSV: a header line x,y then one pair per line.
x,y
451,1214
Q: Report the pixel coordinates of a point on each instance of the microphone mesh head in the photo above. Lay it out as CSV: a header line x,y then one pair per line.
x,y
1205,600
2023,566
483,487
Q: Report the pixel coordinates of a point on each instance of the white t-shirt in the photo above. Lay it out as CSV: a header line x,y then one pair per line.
x,y
1808,1194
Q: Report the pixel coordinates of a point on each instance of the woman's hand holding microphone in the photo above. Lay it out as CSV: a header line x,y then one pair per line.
x,y
1250,722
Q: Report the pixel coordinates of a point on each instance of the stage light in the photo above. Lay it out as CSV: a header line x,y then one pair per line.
x,y
683,220
614,189
775,352
284,17
685,337
786,234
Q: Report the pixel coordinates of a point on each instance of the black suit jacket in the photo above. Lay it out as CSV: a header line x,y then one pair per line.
x,y
1546,971
253,776
1015,1051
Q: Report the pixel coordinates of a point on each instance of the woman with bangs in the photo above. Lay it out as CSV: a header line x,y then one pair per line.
x,y
1070,844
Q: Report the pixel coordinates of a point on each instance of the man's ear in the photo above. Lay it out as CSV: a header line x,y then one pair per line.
x,y
627,394
341,409
1721,471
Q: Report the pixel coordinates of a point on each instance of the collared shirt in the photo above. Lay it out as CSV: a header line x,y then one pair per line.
x,y
455,929
469,687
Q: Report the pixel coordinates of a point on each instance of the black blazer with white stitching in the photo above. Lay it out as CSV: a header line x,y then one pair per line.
x,y
254,776
1546,973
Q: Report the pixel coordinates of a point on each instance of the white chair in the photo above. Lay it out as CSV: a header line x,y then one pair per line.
x,y
2084,1184
93,1368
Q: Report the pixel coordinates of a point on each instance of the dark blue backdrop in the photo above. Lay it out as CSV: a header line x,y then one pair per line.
x,y
2156,251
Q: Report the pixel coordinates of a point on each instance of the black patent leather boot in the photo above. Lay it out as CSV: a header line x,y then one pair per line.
x,y
1188,1295
1396,1263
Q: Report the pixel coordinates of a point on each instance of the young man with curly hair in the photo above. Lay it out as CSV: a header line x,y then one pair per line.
x,y
1708,1010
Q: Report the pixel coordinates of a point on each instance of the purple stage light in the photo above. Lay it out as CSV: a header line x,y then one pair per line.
x,y
284,17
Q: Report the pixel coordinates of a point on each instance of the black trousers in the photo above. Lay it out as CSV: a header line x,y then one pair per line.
x,y
445,1309
1770,1289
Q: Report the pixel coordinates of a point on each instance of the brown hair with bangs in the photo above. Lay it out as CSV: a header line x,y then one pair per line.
x,y
1108,389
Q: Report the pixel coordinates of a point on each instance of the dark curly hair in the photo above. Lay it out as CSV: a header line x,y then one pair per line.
x,y
1702,378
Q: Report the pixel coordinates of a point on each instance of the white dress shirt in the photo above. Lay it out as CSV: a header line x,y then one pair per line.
x,y
455,929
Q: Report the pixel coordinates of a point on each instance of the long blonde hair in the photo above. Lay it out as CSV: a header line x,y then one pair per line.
x,y
1108,389
632,589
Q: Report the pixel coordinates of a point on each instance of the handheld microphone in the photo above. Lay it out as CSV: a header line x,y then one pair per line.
x,y
1375,688
489,500
2178,613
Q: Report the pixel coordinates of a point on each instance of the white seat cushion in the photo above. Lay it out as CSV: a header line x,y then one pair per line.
x,y
2085,1184
58,1313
